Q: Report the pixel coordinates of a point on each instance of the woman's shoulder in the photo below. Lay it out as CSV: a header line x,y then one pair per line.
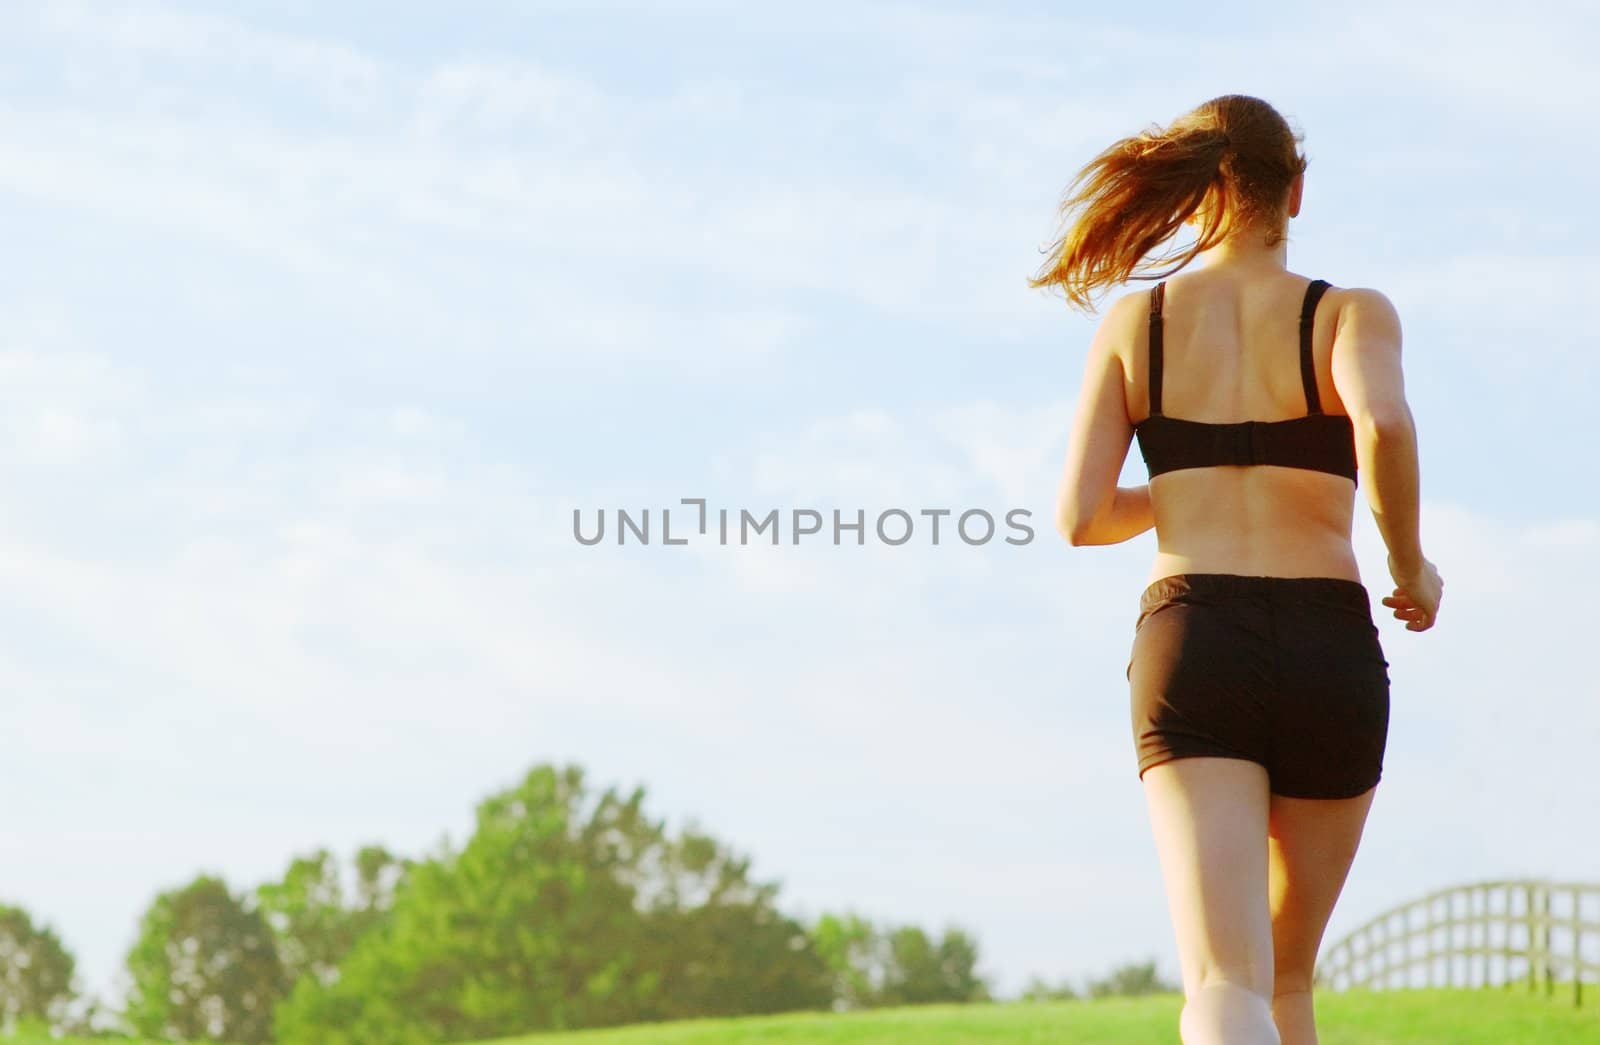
x,y
1367,306
1368,298
1121,317
1134,301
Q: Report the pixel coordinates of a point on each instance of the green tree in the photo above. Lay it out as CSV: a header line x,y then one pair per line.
x,y
530,926
314,922
566,908
717,940
872,966
204,967
89,1017
921,972
852,949
35,973
1132,979
1039,989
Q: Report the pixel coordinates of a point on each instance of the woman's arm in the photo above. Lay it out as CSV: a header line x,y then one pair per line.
x,y
1368,377
1126,516
1091,508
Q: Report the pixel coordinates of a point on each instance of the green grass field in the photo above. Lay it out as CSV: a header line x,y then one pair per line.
x,y
1446,1017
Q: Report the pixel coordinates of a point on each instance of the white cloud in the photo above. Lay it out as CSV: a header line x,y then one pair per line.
x,y
342,76
60,406
495,98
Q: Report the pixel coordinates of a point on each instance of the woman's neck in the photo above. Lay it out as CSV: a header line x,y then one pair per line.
x,y
1247,249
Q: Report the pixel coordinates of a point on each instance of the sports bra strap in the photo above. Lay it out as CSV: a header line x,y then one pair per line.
x,y
1156,296
1308,368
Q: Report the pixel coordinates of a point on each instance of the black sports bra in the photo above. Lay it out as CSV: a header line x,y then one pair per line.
x,y
1320,442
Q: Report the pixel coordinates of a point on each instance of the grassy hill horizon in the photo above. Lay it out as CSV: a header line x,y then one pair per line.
x,y
1357,1017
1434,1016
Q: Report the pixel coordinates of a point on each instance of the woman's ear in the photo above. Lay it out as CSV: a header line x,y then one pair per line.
x,y
1297,189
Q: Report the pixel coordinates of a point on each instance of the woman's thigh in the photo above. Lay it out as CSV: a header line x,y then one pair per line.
x,y
1311,844
1209,816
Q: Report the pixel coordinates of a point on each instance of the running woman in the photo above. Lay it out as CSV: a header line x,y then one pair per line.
x,y
1259,688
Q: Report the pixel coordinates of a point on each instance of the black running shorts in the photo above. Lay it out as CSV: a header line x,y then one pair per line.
x,y
1284,671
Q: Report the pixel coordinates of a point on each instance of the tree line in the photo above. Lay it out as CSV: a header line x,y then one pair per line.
x,y
567,907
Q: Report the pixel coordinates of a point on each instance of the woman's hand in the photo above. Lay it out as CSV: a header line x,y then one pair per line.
x,y
1416,596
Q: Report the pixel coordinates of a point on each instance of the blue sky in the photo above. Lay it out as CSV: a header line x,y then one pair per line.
x,y
319,322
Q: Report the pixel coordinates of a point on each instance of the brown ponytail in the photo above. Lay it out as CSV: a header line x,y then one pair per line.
x,y
1234,153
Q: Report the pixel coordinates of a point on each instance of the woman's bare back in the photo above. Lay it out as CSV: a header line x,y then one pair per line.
x,y
1231,351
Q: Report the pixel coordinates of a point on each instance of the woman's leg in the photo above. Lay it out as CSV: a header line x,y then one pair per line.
x,y
1209,815
1311,845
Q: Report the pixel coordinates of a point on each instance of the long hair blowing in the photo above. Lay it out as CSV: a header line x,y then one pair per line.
x,y
1235,150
